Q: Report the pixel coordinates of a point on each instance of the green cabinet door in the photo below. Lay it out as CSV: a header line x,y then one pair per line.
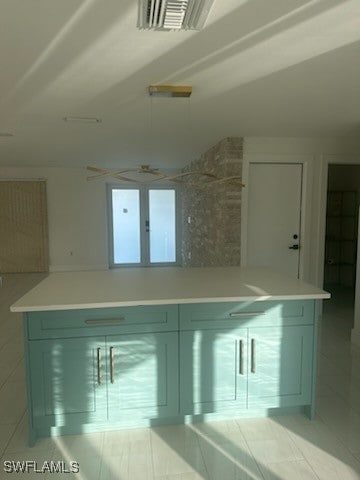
x,y
68,381
213,373
143,376
280,366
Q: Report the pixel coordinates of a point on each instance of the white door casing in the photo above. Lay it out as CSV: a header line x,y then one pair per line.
x,y
274,199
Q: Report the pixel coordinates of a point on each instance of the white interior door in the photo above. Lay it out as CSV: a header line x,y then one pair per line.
x,y
274,216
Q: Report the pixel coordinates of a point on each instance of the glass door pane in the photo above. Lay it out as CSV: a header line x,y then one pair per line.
x,y
162,226
126,225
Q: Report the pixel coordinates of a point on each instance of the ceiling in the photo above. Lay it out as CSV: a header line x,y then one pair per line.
x,y
258,68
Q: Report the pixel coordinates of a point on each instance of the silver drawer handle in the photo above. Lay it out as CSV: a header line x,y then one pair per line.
x,y
99,365
253,356
112,365
109,321
241,357
246,314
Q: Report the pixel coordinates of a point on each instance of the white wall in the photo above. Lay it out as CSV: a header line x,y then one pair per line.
x,y
76,216
77,207
314,146
315,154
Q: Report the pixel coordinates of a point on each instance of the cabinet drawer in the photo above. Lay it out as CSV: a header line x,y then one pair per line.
x,y
235,314
102,321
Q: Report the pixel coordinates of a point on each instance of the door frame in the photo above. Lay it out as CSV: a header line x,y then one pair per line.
x,y
143,189
306,162
325,161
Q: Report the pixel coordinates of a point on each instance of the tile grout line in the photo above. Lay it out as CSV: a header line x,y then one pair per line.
x,y
12,436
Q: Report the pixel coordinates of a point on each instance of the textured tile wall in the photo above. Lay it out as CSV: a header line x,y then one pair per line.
x,y
211,216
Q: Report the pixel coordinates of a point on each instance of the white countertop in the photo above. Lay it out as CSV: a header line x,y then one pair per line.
x,y
160,286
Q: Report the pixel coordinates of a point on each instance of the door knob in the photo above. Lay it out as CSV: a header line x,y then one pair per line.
x,y
294,247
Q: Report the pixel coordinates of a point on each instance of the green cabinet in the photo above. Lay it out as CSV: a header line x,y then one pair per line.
x,y
96,379
143,376
213,375
92,370
67,381
280,366
246,369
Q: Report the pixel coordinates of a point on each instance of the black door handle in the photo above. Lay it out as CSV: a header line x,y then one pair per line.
x,y
294,247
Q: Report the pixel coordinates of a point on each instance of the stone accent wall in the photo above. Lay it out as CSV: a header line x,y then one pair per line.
x,y
211,216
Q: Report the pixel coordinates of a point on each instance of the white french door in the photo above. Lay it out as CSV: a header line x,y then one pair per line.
x,y
143,226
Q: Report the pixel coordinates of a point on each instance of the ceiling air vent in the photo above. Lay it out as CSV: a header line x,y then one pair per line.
x,y
173,14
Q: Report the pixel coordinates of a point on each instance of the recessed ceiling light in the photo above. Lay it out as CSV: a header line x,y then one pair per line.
x,y
82,120
6,134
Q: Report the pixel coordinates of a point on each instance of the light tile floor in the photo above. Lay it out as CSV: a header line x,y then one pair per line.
x,y
278,448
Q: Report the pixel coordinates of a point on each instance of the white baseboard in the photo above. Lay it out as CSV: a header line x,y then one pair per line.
x,y
76,268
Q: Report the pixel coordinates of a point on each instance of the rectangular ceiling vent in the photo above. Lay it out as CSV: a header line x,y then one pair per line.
x,y
173,14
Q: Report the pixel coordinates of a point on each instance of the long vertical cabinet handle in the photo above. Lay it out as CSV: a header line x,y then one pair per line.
x,y
112,365
241,357
99,365
253,355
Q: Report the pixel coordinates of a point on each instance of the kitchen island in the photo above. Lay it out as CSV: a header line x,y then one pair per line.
x,y
140,347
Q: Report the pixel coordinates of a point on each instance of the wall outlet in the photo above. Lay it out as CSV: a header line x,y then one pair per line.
x,y
189,255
